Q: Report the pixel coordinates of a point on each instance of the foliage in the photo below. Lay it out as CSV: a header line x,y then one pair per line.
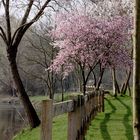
x,y
85,40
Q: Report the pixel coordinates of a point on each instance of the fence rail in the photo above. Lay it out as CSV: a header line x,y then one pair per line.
x,y
81,111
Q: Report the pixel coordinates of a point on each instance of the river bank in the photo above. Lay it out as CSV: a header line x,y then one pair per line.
x,y
11,117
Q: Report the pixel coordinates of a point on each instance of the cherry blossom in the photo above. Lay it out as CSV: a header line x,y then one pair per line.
x,y
85,41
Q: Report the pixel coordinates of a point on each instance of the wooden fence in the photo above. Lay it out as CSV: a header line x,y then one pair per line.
x,y
81,111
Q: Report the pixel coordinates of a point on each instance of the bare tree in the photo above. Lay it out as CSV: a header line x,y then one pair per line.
x,y
42,55
12,42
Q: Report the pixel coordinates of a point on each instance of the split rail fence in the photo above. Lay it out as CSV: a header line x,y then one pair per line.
x,y
81,111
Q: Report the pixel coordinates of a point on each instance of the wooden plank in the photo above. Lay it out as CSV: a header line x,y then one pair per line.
x,y
63,107
46,120
73,124
75,121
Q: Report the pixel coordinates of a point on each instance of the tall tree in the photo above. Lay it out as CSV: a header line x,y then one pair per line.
x,y
12,41
136,74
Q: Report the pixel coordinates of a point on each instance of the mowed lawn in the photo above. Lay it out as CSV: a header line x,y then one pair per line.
x,y
114,124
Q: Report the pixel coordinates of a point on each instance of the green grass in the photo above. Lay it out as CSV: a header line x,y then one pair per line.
x,y
114,124
28,134
38,98
59,130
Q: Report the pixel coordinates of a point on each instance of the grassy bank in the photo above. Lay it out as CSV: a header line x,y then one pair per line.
x,y
113,124
59,130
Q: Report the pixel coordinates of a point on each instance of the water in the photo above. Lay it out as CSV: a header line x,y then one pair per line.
x,y
11,120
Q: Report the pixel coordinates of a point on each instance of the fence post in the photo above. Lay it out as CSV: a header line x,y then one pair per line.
x,y
75,120
46,120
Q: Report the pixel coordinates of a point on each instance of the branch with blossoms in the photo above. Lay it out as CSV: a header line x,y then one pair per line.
x,y
87,41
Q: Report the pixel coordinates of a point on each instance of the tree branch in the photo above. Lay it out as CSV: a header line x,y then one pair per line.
x,y
37,62
35,76
19,34
3,2
91,69
3,35
27,12
39,14
8,22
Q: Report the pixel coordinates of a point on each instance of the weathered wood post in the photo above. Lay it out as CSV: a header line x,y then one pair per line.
x,y
75,121
46,120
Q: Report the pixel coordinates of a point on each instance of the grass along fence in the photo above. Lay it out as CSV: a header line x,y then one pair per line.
x,y
81,110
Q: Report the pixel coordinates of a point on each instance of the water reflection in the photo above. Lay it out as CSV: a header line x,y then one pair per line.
x,y
11,120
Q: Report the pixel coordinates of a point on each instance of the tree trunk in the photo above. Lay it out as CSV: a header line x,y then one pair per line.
x,y
136,74
84,82
94,77
50,88
84,88
100,79
52,76
80,85
125,85
30,111
129,90
62,89
122,88
115,84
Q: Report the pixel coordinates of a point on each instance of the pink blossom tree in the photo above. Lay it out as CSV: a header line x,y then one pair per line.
x,y
86,41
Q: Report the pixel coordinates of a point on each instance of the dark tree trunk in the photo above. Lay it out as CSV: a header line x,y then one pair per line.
x,y
125,85
50,89
84,82
129,90
100,79
122,88
84,88
29,109
94,77
62,89
117,86
115,83
51,95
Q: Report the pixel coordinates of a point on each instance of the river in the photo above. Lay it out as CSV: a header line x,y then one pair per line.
x,y
11,120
